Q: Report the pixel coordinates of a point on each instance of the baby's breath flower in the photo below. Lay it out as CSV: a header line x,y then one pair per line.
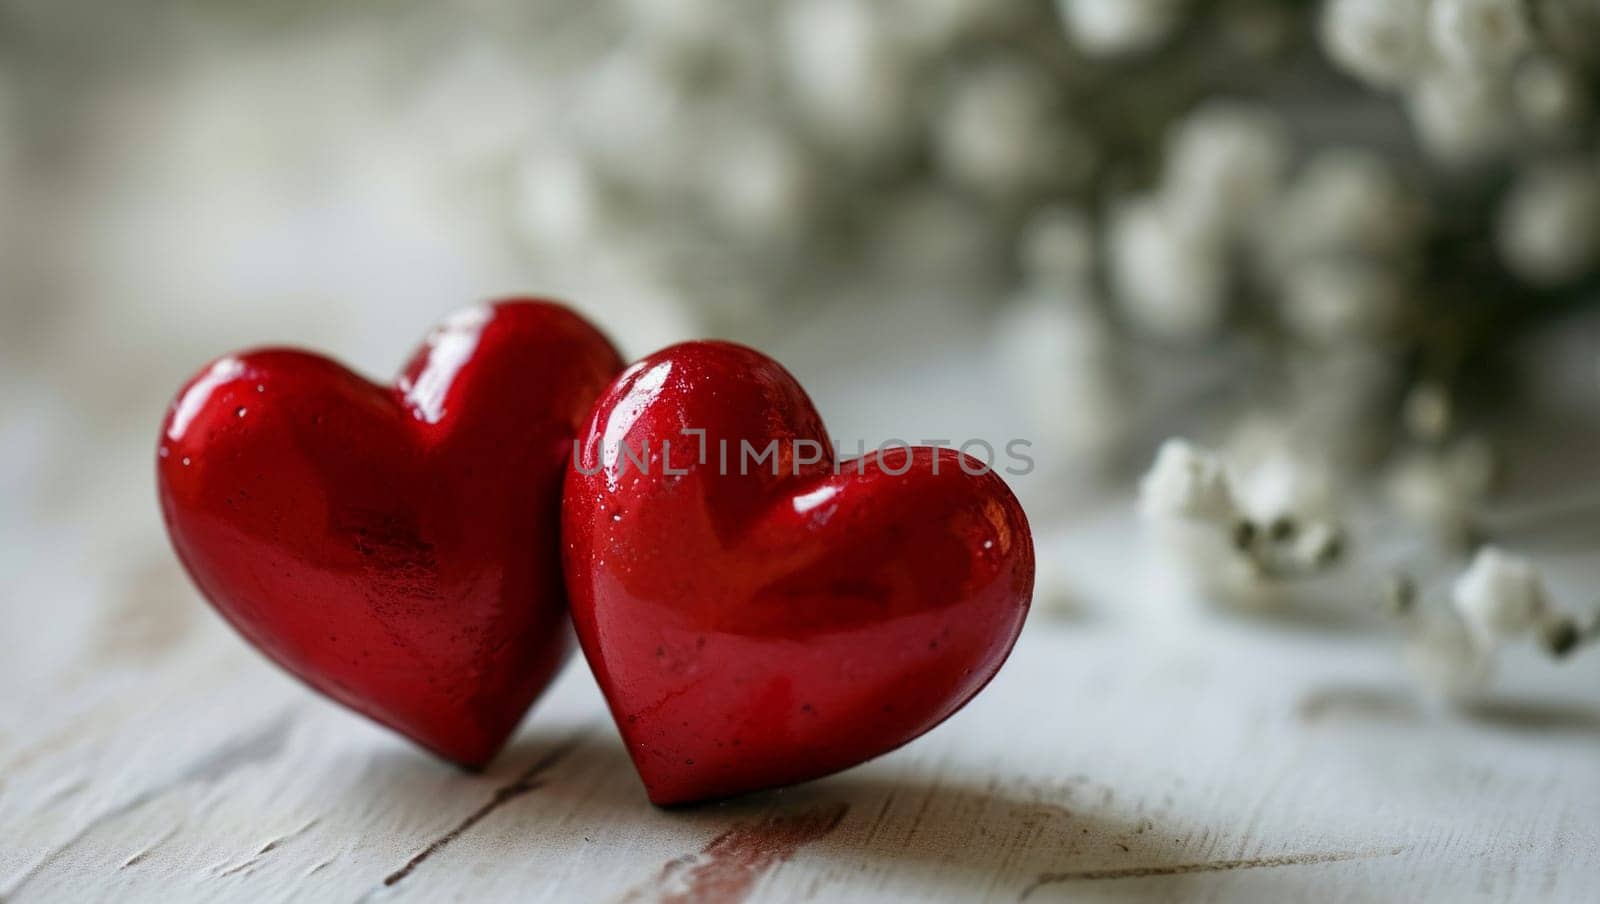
x,y
1281,486
1345,200
1187,482
1171,282
760,185
849,75
1383,42
1225,161
1479,34
1107,28
1550,96
1444,488
990,133
1550,224
1336,299
1499,596
1463,117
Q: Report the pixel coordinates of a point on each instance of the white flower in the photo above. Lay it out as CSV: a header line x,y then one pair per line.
x,y
991,129
1478,34
1171,282
1344,200
1187,482
848,73
1284,484
1106,28
1381,41
1462,117
1443,655
1499,596
1224,162
557,199
1443,489
759,183
1335,299
1058,248
1550,223
1550,96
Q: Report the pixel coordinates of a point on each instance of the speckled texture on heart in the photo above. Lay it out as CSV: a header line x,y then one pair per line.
x,y
395,547
751,630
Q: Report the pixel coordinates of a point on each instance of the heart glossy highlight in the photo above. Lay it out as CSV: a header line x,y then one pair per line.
x,y
756,629
395,547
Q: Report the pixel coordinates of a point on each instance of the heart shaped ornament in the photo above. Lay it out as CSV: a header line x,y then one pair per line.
x,y
395,547
758,612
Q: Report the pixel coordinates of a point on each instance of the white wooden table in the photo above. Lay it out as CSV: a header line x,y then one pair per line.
x,y
151,755
1146,749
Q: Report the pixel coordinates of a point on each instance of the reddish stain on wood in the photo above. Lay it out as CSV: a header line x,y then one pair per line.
x,y
727,870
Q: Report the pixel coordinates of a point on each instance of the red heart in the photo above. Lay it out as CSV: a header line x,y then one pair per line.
x,y
394,547
752,630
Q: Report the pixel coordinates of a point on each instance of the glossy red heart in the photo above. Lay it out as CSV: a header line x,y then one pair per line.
x,y
395,547
754,629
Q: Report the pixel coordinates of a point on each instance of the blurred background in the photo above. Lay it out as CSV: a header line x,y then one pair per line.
x,y
1349,248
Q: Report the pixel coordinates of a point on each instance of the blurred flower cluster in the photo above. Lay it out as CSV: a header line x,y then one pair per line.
x,y
1339,214
1259,535
1323,222
1335,213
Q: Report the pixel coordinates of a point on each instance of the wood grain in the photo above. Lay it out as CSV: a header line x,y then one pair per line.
x,y
1144,751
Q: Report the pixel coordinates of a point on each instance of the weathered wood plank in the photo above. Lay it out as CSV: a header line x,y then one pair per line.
x,y
1120,755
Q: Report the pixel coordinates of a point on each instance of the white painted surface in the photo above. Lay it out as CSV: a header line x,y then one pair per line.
x,y
149,754
1144,749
